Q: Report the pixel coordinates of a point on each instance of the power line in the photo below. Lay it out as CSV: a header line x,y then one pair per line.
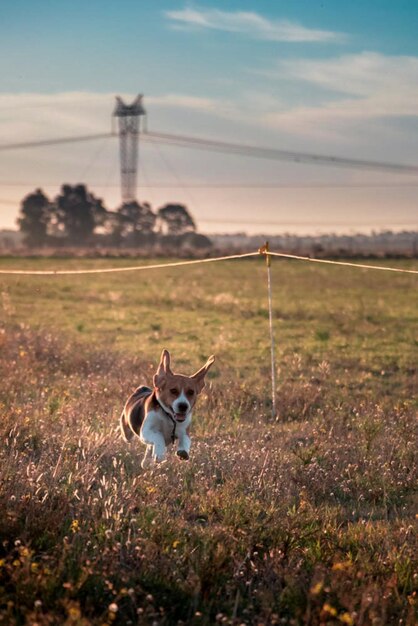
x,y
180,184
267,222
275,154
52,142
330,222
98,151
237,149
235,185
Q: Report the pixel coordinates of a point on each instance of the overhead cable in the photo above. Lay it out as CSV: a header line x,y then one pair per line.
x,y
261,152
275,154
52,142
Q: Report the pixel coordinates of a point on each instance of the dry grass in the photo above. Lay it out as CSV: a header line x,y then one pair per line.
x,y
306,520
303,521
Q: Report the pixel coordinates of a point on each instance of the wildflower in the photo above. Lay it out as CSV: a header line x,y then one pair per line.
x,y
338,567
329,609
38,604
346,618
75,526
316,589
74,613
2,562
176,543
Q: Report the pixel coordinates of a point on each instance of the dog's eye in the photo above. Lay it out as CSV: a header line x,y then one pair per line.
x,y
190,393
174,392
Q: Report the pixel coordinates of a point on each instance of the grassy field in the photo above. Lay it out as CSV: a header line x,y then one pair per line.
x,y
309,519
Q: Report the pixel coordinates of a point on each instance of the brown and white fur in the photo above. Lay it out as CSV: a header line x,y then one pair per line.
x,y
160,415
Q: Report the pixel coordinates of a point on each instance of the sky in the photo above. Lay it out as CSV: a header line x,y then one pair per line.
x,y
328,77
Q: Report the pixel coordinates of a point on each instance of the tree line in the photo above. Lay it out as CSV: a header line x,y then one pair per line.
x,y
76,217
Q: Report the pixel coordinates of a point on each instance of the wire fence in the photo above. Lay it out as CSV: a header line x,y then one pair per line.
x,y
262,251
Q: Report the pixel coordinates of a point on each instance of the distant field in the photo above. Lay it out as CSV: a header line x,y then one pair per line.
x,y
309,519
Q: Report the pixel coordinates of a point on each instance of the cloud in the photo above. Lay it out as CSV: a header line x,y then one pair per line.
x,y
363,86
357,74
32,116
39,116
195,103
251,24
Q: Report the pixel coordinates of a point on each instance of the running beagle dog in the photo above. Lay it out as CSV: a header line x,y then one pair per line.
x,y
161,415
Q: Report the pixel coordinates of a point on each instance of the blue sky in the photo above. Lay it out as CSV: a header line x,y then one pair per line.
x,y
334,77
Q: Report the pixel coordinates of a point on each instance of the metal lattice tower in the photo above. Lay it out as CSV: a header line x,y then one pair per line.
x,y
129,128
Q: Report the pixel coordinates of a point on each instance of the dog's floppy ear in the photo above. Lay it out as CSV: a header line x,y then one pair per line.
x,y
163,368
199,376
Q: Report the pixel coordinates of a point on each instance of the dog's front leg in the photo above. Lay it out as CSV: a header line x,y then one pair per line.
x,y
158,453
183,448
151,436
155,441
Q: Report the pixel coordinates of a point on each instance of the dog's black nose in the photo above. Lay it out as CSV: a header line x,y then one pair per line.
x,y
182,407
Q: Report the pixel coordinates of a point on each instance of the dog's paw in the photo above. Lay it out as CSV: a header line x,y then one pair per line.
x,y
183,455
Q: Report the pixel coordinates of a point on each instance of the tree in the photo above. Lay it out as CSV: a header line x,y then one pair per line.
x,y
77,213
195,241
175,219
35,218
135,222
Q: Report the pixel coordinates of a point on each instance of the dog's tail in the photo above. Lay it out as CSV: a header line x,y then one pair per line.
x,y
125,429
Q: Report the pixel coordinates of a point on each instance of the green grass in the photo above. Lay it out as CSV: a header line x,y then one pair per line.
x,y
307,519
320,312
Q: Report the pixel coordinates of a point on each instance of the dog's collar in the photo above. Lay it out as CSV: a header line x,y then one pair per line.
x,y
163,407
170,415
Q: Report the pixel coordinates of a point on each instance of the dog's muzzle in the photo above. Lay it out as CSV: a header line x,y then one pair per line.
x,y
181,410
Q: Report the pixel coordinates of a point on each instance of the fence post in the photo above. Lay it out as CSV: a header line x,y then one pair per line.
x,y
264,250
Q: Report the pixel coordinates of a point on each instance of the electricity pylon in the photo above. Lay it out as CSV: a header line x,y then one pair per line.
x,y
129,127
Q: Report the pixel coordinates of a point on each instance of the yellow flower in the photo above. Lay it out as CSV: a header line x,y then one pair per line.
x,y
74,613
75,526
338,567
2,562
176,543
329,609
316,589
34,567
346,618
